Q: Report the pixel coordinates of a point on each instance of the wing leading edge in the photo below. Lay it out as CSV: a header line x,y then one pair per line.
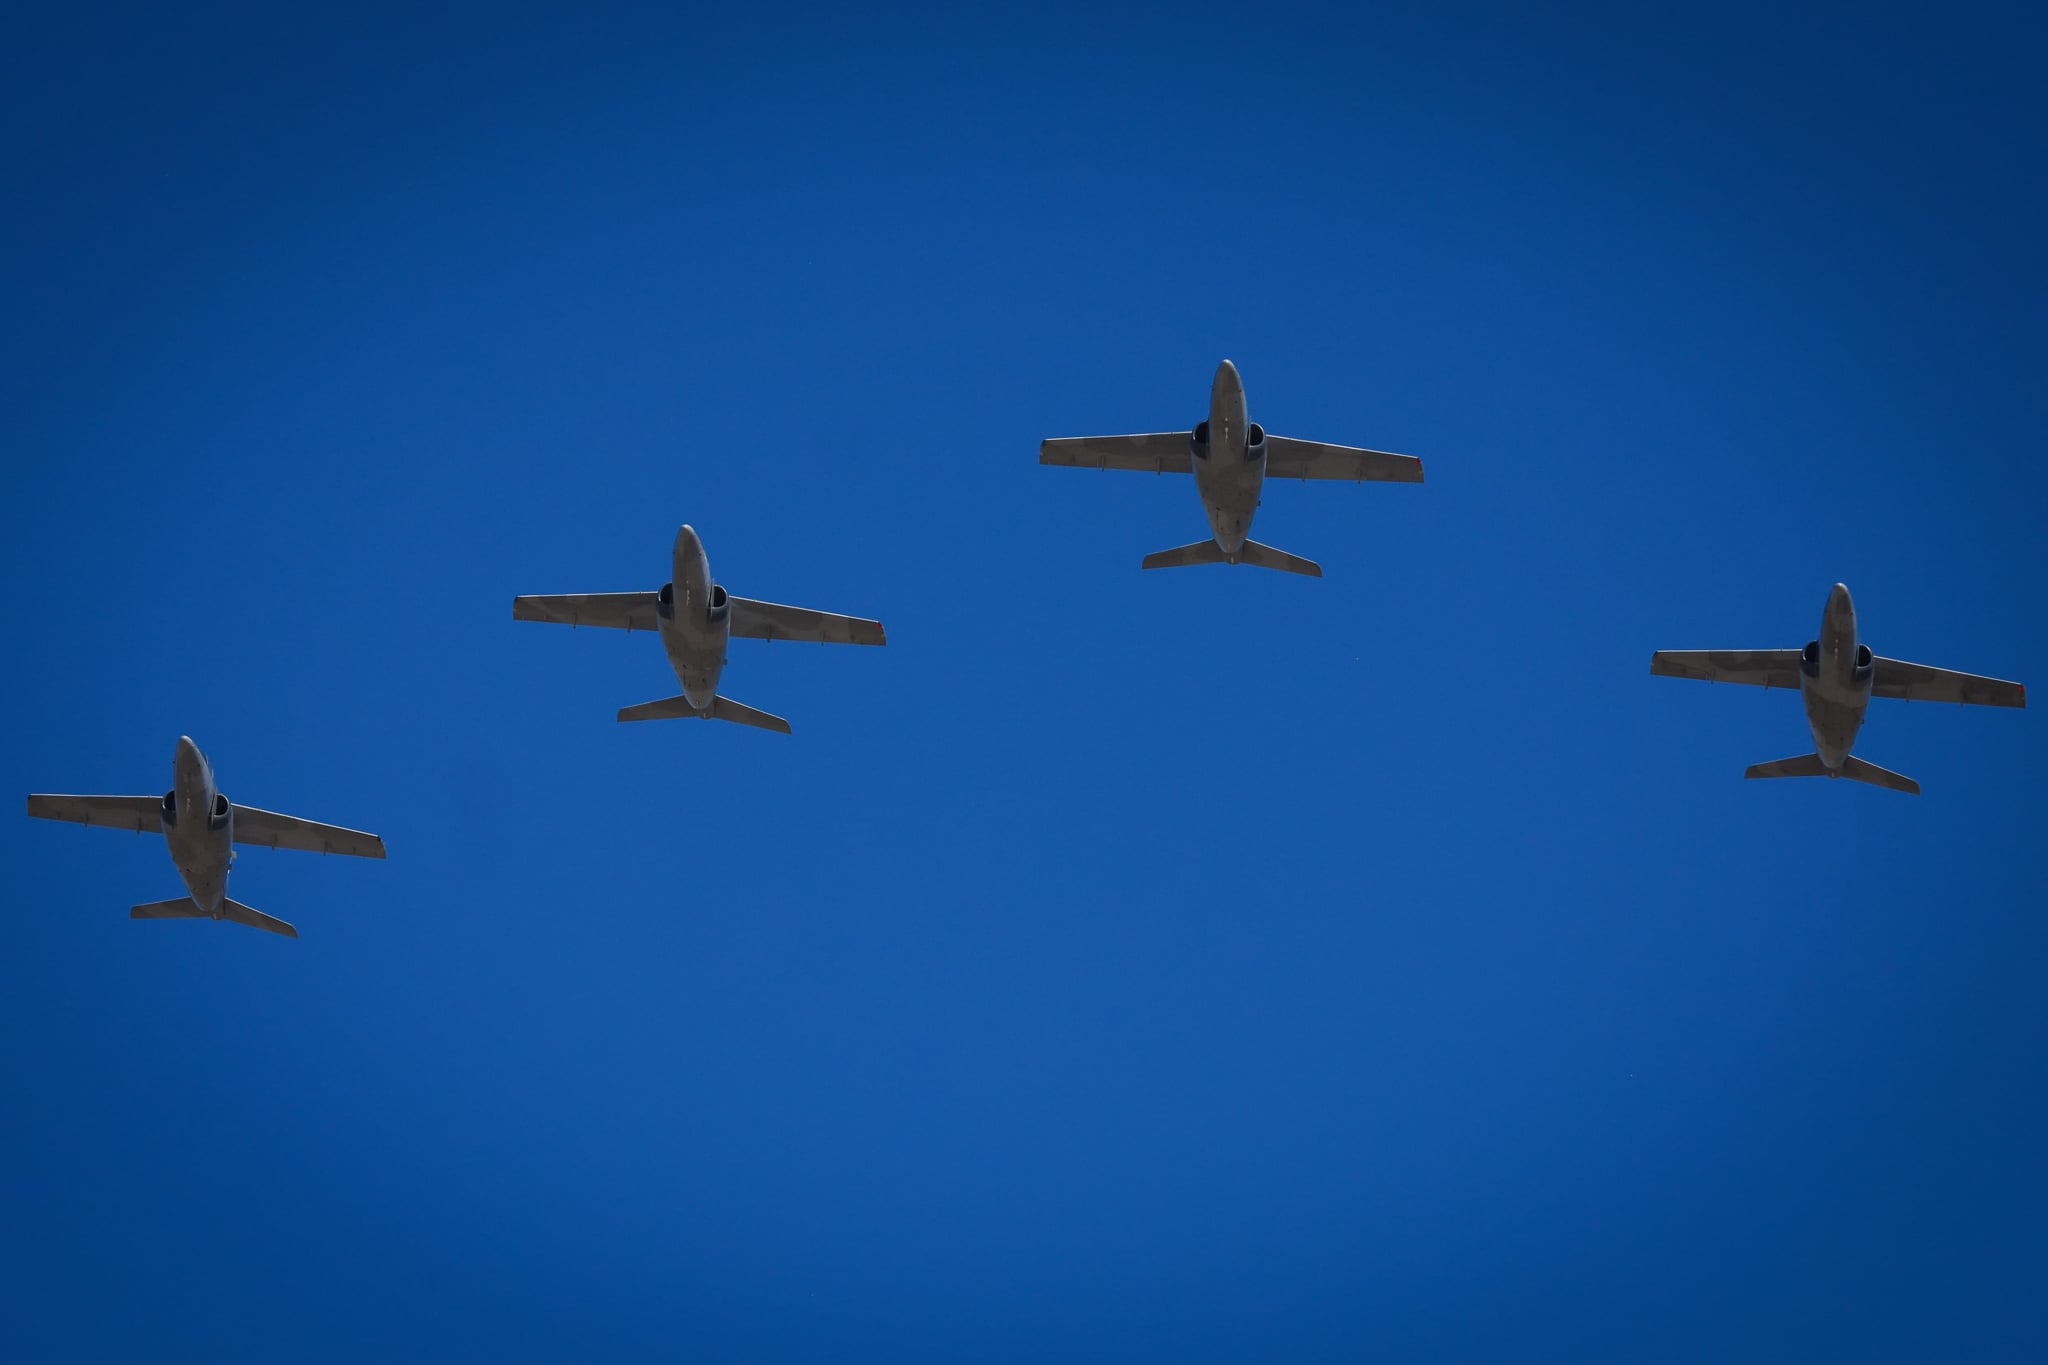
x,y
1287,458
144,814
1148,452
615,610
1917,682
753,620
1756,667
268,829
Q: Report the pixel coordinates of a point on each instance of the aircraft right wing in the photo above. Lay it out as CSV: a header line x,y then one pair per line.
x,y
1918,682
139,813
1150,452
1758,667
619,610
752,620
1287,458
270,830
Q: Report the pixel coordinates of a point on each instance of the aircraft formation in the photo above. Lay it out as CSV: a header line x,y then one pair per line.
x,y
1230,457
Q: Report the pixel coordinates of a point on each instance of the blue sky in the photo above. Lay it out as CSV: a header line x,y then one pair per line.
x,y
1193,965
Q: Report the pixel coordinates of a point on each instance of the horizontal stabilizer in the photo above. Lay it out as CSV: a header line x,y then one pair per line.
x,y
1266,557
722,708
1201,552
256,919
1809,765
184,907
1805,765
1209,552
1879,777
180,907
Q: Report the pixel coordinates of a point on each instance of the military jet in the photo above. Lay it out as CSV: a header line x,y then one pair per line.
x,y
1836,675
200,825
695,617
1231,458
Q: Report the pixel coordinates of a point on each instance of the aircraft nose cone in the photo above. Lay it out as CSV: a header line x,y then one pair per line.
x,y
1839,598
686,537
1226,373
187,750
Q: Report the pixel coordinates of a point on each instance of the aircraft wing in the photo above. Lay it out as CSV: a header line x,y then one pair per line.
x,y
619,610
772,621
138,813
1758,667
1151,452
1918,682
1287,458
270,830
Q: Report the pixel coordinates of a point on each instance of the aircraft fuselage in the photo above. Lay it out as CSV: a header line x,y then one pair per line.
x,y
1834,681
695,620
201,841
1229,469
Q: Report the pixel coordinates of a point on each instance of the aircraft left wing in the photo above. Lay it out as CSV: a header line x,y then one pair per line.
x,y
1149,452
618,610
772,621
1757,667
270,830
1287,458
1918,682
139,813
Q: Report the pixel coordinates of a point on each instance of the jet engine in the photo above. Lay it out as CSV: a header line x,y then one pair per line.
x,y
1198,442
217,819
1254,443
171,808
717,612
1809,659
1863,665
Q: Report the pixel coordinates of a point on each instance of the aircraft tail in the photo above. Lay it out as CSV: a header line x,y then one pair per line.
x,y
1209,552
722,708
1809,765
184,907
1266,557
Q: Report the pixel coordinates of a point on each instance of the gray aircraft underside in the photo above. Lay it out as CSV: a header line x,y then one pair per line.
x,y
1836,675
695,617
200,827
1231,457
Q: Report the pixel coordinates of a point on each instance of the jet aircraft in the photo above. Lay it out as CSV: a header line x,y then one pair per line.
x,y
1230,457
199,825
695,617
1836,675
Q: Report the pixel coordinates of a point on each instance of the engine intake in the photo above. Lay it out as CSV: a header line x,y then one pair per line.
x,y
1809,659
1254,443
1864,659
1198,441
170,808
218,817
721,605
665,602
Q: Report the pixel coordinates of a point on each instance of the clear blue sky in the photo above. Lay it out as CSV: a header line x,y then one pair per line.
x,y
1197,965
